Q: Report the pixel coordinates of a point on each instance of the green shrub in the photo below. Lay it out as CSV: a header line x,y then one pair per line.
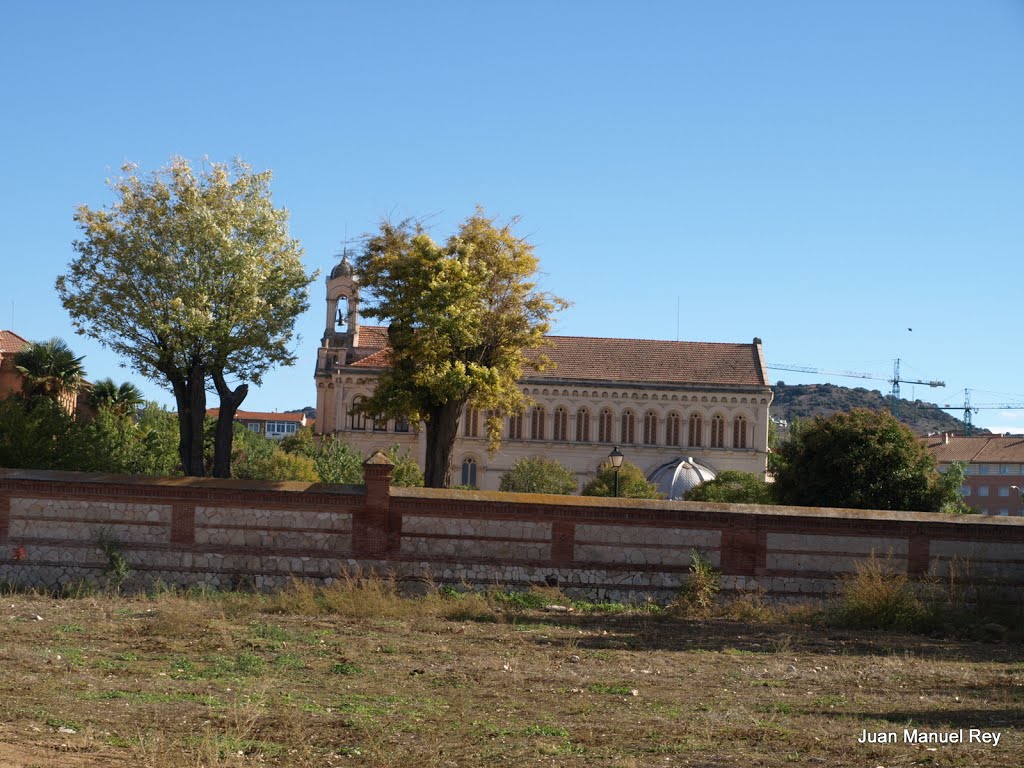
x,y
877,596
700,588
733,487
537,474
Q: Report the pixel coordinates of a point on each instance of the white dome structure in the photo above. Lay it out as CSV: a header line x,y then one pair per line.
x,y
677,477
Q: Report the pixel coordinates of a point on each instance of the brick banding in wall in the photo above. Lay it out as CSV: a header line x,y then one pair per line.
x,y
190,530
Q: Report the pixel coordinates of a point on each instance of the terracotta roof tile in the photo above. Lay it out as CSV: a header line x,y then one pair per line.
x,y
373,336
586,358
977,449
378,359
10,342
650,360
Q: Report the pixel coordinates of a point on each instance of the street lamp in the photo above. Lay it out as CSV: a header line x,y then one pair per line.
x,y
1020,496
615,457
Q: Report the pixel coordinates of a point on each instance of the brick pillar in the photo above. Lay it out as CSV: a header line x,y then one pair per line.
x,y
183,523
741,552
563,543
918,549
375,530
5,515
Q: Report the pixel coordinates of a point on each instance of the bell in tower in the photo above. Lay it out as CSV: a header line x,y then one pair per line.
x,y
341,329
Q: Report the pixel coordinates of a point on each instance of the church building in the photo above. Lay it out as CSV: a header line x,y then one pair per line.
x,y
659,402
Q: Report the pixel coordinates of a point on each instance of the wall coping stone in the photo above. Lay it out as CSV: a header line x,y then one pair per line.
x,y
745,510
205,483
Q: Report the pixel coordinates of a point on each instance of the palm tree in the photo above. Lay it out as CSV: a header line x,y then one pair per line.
x,y
125,398
51,370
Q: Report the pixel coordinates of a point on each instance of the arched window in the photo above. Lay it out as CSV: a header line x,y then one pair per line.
x,y
472,426
650,428
561,426
537,416
718,431
672,429
583,426
469,472
628,433
358,419
380,424
739,432
694,438
604,426
515,426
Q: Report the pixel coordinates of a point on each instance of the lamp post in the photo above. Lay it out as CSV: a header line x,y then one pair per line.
x,y
615,457
1020,496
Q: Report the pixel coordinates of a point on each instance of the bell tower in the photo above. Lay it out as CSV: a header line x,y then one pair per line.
x,y
341,330
341,336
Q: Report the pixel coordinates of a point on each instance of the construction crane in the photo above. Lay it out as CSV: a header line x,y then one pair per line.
x,y
895,379
969,409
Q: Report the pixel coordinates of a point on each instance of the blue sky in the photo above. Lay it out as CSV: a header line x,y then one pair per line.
x,y
823,175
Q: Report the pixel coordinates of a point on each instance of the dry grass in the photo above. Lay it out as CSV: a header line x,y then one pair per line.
x,y
357,675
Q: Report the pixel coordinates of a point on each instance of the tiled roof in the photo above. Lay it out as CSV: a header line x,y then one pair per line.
x,y
584,358
378,359
259,415
10,342
977,449
649,360
373,336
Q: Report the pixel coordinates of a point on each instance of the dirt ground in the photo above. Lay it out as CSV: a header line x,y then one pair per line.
x,y
242,681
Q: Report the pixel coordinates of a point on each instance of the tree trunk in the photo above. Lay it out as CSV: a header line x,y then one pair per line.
x,y
230,399
442,428
190,396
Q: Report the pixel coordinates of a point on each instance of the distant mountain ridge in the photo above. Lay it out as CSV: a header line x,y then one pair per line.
x,y
805,401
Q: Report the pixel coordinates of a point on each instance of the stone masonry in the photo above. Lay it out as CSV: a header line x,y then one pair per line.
x,y
231,533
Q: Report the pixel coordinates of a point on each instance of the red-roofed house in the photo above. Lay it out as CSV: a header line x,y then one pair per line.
x,y
272,425
995,469
658,401
10,378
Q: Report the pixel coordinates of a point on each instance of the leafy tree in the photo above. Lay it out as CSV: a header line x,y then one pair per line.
x,y
951,482
733,487
861,460
158,430
40,435
51,370
338,462
460,316
125,397
251,454
407,472
632,483
300,441
115,442
284,466
537,474
190,276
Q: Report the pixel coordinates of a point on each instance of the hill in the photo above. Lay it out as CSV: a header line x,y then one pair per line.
x,y
805,401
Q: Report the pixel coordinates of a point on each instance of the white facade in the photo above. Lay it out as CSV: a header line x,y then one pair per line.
x,y
633,394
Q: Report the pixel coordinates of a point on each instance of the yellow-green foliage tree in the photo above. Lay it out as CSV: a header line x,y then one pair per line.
x,y
460,316
631,482
538,474
190,275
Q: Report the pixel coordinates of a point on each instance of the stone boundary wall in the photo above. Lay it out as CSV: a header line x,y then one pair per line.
x,y
226,533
